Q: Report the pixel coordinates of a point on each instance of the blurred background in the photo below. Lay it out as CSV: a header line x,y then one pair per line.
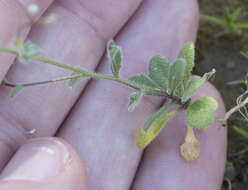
x,y
223,35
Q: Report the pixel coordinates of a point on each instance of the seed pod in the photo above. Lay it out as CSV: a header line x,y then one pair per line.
x,y
190,150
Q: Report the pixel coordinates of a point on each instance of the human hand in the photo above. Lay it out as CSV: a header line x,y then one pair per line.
x,y
98,124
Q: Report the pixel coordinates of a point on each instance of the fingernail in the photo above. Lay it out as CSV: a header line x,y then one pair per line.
x,y
35,8
37,160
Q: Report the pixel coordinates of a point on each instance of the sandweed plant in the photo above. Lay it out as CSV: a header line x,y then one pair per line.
x,y
228,23
173,81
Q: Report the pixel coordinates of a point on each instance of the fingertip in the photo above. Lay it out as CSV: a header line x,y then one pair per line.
x,y
47,163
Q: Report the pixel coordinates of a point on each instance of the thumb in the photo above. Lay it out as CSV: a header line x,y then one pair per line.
x,y
44,163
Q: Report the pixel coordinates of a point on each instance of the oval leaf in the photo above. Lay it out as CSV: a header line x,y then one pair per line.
x,y
143,81
16,90
115,57
153,126
188,53
200,114
74,82
134,100
191,88
159,71
176,74
29,51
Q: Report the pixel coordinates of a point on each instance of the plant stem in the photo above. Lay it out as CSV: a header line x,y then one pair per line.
x,y
147,91
236,82
6,83
228,182
232,111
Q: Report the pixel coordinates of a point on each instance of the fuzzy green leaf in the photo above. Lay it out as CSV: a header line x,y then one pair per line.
x,y
143,81
192,87
188,53
159,71
18,44
28,52
177,72
194,84
200,114
134,100
74,82
115,57
16,90
153,126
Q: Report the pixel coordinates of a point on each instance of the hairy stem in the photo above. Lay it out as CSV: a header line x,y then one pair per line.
x,y
147,91
6,83
233,110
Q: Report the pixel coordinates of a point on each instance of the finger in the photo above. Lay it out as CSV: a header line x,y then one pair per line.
x,y
72,41
100,126
44,163
13,15
162,166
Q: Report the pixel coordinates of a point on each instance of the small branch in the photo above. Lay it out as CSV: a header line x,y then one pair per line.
x,y
152,92
236,82
6,83
228,182
7,50
233,110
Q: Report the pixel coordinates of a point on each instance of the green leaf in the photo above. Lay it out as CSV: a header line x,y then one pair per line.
x,y
153,126
244,54
18,44
29,51
229,164
143,81
235,14
227,14
16,90
213,20
159,71
242,132
192,87
200,114
115,57
134,100
176,74
74,82
188,53
194,84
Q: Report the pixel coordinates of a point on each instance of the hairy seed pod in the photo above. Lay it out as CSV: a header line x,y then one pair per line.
x,y
190,150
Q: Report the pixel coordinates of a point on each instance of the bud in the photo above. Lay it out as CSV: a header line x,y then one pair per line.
x,y
190,150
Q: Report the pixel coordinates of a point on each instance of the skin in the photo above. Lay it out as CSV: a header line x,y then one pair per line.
x,y
93,117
